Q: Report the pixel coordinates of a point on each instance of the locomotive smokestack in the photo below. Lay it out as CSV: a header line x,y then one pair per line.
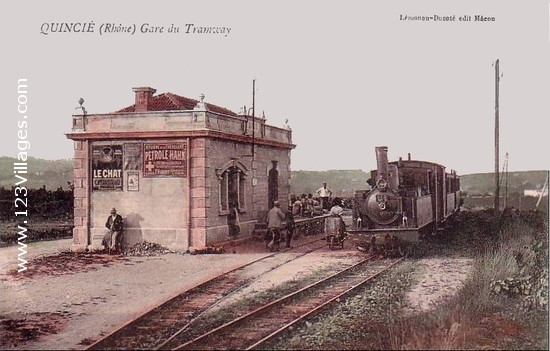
x,y
382,162
409,156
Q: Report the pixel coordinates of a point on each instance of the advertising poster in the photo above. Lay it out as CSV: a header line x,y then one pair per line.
x,y
133,181
177,114
165,159
107,167
132,156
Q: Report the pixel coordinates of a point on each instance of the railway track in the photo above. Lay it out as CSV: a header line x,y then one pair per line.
x,y
254,329
159,325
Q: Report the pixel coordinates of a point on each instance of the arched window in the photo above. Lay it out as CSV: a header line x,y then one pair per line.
x,y
232,185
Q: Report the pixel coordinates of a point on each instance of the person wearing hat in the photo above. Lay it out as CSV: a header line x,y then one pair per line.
x,y
113,239
275,218
324,194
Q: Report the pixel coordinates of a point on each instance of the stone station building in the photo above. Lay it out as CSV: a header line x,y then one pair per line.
x,y
172,167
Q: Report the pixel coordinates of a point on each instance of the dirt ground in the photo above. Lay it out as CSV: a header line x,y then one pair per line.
x,y
436,279
67,300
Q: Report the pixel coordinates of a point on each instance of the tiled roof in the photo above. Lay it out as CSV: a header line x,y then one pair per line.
x,y
173,102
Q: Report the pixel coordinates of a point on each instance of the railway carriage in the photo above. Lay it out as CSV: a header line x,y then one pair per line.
x,y
409,200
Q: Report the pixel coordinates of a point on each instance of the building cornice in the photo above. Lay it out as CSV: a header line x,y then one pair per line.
x,y
246,139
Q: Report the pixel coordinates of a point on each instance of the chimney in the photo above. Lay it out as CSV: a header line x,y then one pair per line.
x,y
143,98
382,162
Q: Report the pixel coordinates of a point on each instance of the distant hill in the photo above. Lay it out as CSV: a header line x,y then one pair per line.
x,y
51,174
55,174
516,182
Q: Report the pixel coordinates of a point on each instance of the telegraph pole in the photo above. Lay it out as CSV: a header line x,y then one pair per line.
x,y
497,185
253,142
253,116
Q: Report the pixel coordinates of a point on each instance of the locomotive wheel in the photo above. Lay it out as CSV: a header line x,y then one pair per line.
x,y
403,251
413,250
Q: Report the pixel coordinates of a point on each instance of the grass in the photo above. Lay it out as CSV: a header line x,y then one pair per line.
x,y
36,231
477,318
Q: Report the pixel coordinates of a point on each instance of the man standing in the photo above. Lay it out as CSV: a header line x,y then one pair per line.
x,y
233,224
114,224
275,218
324,194
290,226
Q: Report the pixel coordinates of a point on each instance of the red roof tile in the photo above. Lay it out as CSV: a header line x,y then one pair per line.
x,y
173,102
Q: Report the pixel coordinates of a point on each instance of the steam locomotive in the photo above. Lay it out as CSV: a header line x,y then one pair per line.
x,y
409,201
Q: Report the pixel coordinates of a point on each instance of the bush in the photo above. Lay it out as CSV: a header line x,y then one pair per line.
x,y
41,203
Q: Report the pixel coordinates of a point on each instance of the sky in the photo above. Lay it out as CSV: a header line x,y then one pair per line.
x,y
348,75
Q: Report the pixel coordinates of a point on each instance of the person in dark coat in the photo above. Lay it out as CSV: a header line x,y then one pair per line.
x,y
233,222
290,226
113,239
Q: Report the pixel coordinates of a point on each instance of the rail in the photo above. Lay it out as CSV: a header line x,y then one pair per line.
x,y
158,326
251,330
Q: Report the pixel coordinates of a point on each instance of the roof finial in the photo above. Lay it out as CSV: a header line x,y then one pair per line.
x,y
286,125
81,102
200,105
242,111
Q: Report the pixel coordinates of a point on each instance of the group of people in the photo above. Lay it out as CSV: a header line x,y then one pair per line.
x,y
277,220
308,205
305,206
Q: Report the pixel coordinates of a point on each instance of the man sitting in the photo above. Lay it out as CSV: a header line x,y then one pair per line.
x,y
113,238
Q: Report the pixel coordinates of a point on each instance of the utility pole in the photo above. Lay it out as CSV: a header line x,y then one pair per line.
x,y
253,164
253,116
506,183
497,185
503,174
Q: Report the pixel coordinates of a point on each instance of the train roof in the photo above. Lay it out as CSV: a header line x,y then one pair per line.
x,y
418,164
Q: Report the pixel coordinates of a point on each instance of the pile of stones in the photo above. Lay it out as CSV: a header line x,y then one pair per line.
x,y
146,248
512,286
